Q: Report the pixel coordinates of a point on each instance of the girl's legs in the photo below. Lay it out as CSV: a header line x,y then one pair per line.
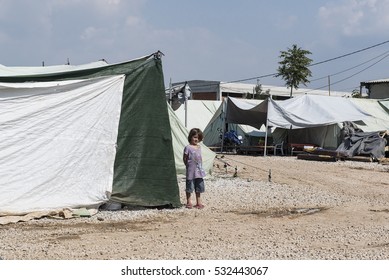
x,y
188,200
199,205
198,190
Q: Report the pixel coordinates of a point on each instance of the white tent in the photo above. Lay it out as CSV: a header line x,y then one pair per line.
x,y
305,119
313,111
385,103
248,127
6,71
76,136
50,134
379,119
312,119
180,140
318,120
212,130
243,88
199,113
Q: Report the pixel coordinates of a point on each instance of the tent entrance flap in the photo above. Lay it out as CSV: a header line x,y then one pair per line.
x,y
249,112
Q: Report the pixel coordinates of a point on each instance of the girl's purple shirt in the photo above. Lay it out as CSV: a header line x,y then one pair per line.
x,y
194,164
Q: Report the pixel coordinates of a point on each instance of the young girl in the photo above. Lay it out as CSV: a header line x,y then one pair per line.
x,y
194,169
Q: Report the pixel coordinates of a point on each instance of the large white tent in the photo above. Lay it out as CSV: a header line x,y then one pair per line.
x,y
53,136
78,136
312,111
307,118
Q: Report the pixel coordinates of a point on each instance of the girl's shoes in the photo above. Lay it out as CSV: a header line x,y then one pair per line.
x,y
199,206
189,206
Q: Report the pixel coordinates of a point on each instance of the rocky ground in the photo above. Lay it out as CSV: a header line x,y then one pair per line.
x,y
305,210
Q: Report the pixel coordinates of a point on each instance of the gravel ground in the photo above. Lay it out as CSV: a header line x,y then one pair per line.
x,y
308,210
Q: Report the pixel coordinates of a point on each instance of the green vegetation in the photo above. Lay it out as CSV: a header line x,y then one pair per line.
x,y
294,67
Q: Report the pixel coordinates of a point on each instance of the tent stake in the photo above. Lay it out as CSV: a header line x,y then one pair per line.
x,y
269,176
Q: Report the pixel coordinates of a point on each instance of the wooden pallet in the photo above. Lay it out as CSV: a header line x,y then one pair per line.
x,y
314,157
360,158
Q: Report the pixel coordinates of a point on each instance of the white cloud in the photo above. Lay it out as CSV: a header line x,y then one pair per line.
x,y
355,17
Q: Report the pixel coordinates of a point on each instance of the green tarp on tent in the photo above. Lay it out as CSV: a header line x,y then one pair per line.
x,y
144,168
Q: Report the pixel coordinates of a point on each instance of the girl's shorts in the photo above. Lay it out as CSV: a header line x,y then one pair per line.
x,y
196,185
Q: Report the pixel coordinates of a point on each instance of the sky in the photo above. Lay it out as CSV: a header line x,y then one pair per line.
x,y
219,40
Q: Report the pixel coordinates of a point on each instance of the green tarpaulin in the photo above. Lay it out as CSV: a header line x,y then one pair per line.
x,y
144,169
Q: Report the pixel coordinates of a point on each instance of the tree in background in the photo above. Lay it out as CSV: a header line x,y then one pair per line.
x,y
258,93
294,67
357,94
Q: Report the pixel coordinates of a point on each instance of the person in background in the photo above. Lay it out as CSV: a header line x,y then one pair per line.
x,y
194,168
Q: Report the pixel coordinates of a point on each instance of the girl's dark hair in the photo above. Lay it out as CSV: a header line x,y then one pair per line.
x,y
195,131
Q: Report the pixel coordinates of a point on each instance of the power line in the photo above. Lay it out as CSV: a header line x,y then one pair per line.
x,y
337,82
331,59
341,56
248,79
351,68
236,81
314,64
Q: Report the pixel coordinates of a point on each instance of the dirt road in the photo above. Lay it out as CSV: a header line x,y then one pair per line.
x,y
309,210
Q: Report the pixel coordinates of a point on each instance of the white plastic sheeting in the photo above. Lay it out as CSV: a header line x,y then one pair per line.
x,y
58,143
379,119
276,90
385,103
312,111
6,71
310,117
199,113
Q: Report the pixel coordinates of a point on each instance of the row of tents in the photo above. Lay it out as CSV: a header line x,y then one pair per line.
x,y
309,119
80,136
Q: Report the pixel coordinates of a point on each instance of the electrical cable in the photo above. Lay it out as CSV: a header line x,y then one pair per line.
x,y
341,56
351,75
314,64
351,68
